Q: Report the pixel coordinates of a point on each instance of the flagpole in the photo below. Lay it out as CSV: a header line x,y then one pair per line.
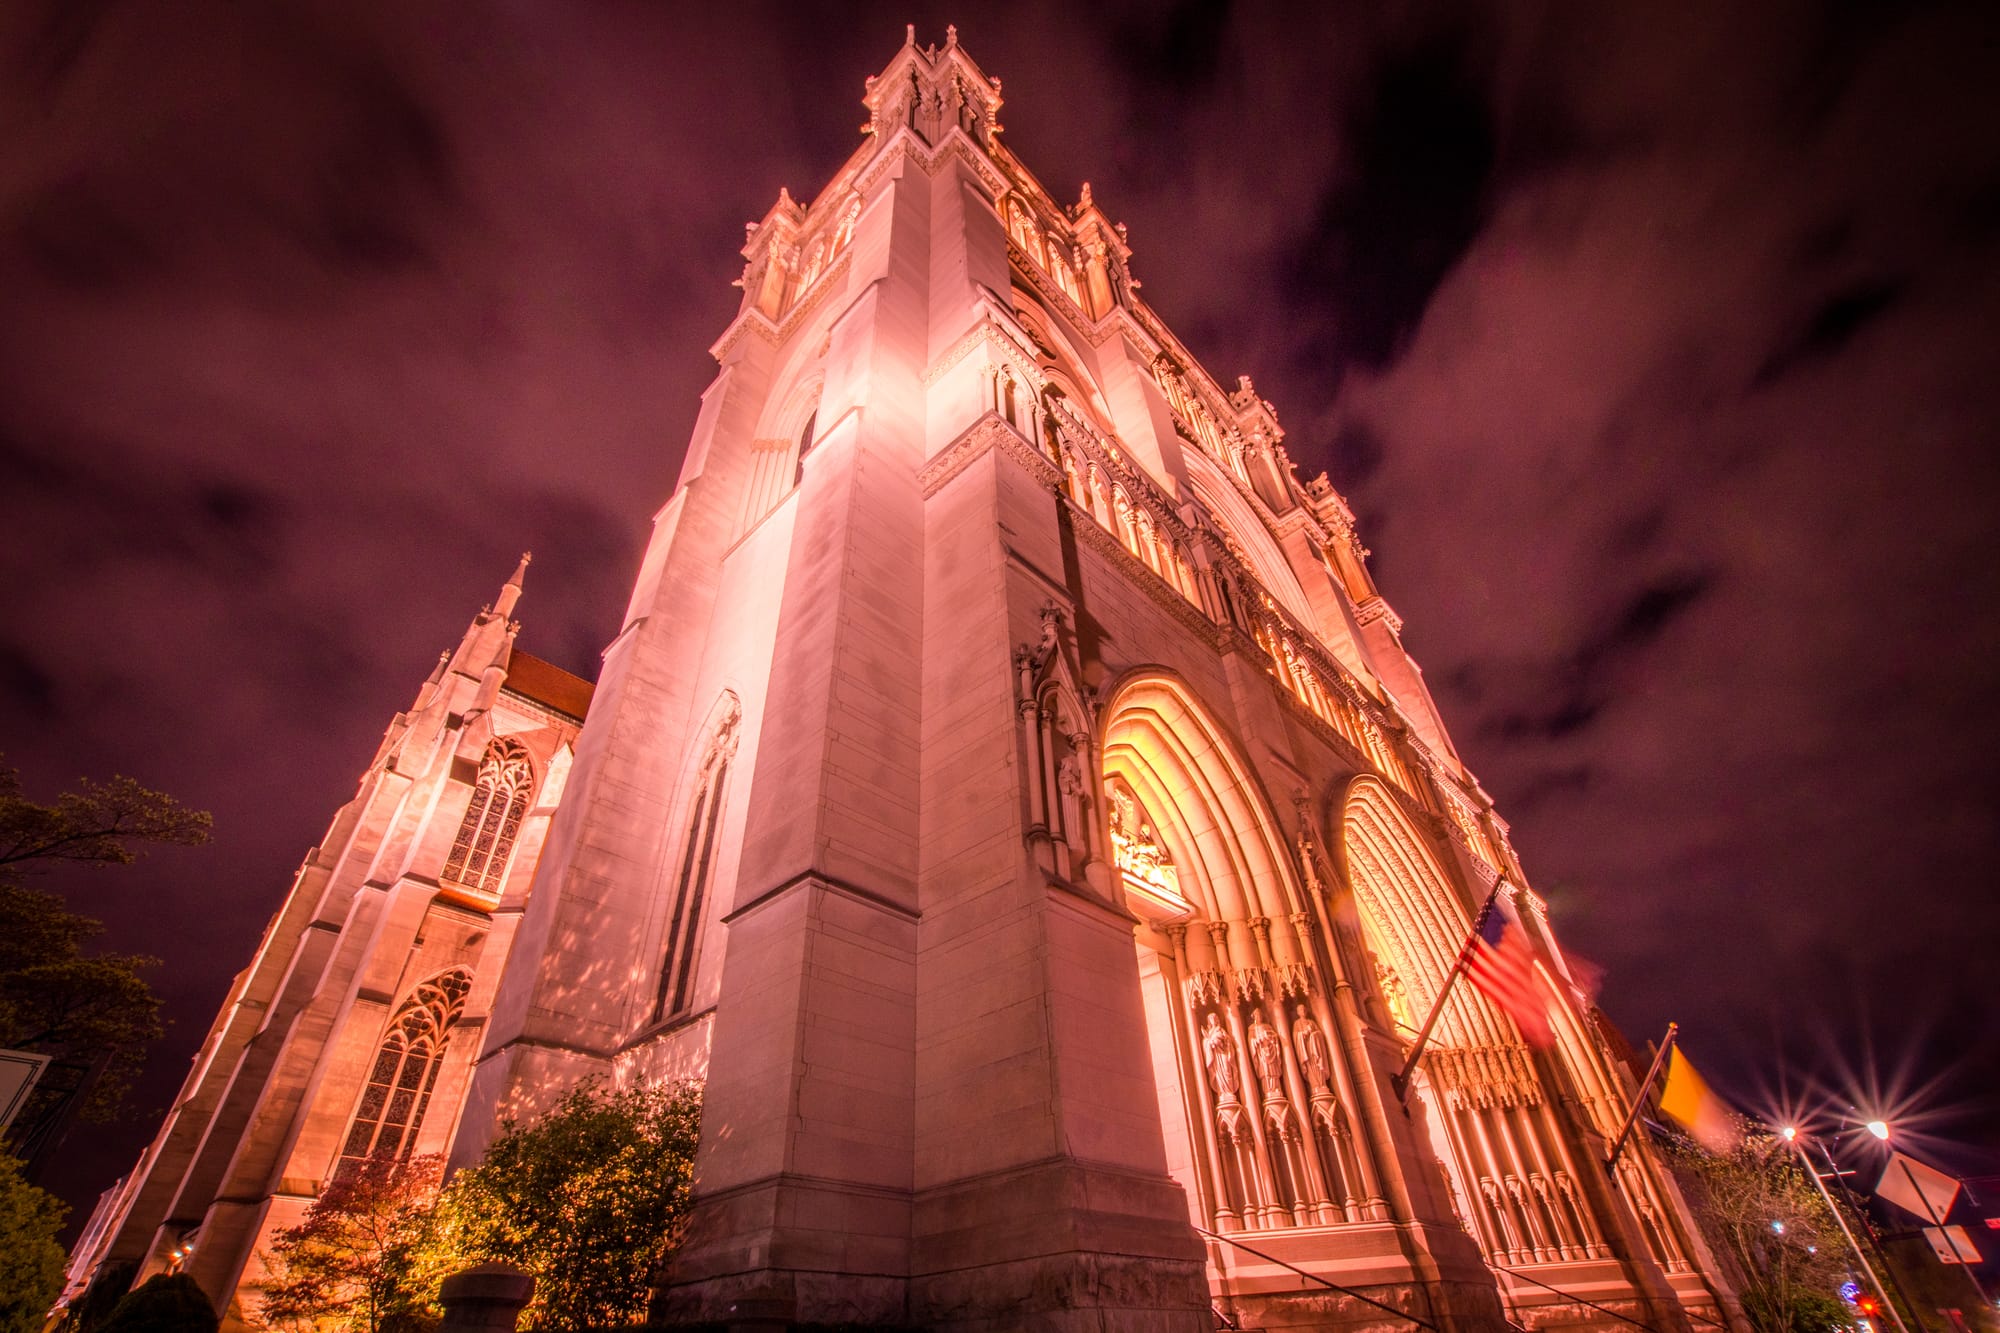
x,y
1401,1081
1639,1098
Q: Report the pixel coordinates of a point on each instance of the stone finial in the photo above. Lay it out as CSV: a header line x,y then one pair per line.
x,y
510,592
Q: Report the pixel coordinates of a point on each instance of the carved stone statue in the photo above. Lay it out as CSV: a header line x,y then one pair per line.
x,y
1218,1052
1267,1053
1310,1043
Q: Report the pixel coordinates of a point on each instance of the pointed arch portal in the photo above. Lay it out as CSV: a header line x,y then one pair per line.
x,y
1255,1100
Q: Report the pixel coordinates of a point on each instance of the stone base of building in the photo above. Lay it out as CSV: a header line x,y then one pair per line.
x,y
1060,1247
1454,1307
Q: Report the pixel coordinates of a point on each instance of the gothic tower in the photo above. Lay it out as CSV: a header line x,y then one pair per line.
x,y
353,1030
1034,830
1008,791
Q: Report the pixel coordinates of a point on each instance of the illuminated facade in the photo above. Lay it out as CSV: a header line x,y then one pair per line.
x,y
1008,790
354,1029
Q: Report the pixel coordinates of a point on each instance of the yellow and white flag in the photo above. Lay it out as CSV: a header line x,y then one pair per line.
x,y
1707,1117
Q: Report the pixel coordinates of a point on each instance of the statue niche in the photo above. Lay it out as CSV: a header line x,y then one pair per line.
x,y
1064,827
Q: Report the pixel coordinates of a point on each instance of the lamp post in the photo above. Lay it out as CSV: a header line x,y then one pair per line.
x,y
1791,1136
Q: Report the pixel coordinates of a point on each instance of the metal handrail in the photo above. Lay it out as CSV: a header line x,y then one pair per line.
x,y
1315,1277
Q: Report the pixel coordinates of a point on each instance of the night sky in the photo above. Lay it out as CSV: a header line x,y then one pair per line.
x,y
1655,347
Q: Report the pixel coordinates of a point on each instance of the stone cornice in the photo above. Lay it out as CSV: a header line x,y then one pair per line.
x,y
987,433
1092,534
988,330
775,334
1374,609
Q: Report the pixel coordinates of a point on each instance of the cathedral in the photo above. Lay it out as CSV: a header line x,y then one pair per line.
x,y
1008,793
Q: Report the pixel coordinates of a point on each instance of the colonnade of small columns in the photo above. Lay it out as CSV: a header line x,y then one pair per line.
x,y
1271,1102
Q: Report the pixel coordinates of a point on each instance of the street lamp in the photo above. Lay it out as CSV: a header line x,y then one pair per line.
x,y
1791,1136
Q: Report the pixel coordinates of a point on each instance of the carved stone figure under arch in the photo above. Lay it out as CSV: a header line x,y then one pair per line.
x,y
1235,985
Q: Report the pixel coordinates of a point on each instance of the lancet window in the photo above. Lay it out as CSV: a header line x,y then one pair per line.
x,y
805,445
485,841
405,1072
696,868
778,464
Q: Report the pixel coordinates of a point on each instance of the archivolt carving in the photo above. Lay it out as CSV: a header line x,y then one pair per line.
x,y
1483,1087
1267,1093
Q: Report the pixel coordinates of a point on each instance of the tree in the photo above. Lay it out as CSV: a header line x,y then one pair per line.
x,y
31,1271
349,1263
1769,1223
590,1199
93,1013
164,1303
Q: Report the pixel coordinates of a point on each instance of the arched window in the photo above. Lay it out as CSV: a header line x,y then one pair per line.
x,y
697,867
486,835
398,1092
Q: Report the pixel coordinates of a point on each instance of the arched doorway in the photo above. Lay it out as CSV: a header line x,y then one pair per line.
x,y
1518,1188
1256,1101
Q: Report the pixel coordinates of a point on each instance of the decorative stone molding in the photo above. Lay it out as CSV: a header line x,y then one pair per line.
x,y
1378,608
987,433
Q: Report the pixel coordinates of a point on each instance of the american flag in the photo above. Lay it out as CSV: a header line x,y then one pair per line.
x,y
1502,965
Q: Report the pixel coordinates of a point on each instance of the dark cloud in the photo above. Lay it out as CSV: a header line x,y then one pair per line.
x,y
1654,349
1835,321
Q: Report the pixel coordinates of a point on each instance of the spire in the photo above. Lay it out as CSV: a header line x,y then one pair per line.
x,y
510,591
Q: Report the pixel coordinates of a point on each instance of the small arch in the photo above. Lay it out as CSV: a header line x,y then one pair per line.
x,y
1412,920
1213,817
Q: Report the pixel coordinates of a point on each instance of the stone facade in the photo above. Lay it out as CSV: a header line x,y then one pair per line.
x,y
355,1027
1009,792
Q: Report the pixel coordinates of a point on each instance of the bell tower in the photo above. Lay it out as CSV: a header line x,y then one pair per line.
x,y
1008,792
928,1091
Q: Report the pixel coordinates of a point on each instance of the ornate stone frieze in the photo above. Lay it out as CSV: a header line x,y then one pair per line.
x,y
1378,608
1204,989
989,432
1089,532
1480,1077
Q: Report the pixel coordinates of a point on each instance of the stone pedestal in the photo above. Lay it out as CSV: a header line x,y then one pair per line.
x,y
485,1299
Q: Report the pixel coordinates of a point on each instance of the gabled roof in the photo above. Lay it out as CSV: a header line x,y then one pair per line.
x,y
547,684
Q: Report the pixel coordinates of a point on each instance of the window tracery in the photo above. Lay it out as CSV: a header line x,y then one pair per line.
x,y
778,464
485,841
398,1092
